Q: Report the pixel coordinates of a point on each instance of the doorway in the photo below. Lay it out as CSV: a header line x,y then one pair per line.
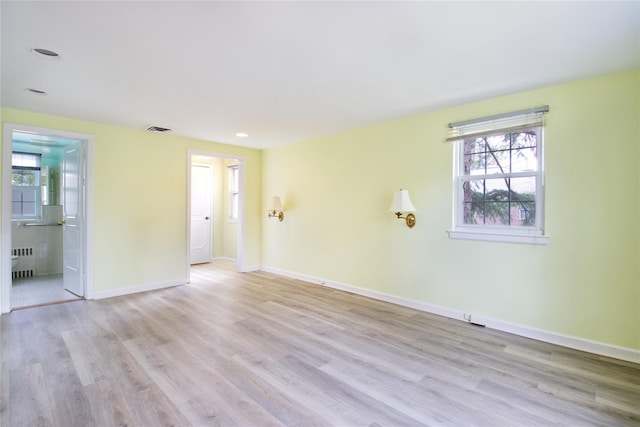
x,y
215,208
46,200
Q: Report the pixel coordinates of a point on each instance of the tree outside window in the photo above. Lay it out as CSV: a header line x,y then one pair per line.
x,y
499,179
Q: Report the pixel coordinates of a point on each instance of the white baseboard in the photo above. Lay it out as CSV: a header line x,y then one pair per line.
x,y
246,269
250,268
595,347
135,289
224,258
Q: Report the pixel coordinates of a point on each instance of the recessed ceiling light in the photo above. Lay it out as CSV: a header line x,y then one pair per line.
x,y
242,135
45,52
36,91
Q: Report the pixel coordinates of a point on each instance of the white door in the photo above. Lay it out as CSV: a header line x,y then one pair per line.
x,y
73,218
201,223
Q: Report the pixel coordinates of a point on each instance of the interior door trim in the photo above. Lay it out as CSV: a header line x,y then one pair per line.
x,y
241,205
5,255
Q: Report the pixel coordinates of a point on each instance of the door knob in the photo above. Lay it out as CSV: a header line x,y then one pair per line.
x,y
206,217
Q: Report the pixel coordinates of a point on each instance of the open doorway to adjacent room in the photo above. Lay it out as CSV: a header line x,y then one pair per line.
x,y
44,228
215,208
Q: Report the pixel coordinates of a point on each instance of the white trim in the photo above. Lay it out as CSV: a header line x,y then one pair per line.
x,y
137,289
88,220
250,268
595,347
5,262
211,205
589,346
241,205
224,258
508,234
498,237
5,283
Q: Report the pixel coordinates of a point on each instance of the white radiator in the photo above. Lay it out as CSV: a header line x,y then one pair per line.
x,y
26,262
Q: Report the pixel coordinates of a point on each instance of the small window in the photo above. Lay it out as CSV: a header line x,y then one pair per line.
x,y
233,192
25,185
498,182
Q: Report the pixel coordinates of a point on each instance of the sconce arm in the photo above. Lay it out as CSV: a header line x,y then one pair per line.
x,y
410,219
277,214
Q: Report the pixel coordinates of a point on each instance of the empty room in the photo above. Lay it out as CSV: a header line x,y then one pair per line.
x,y
323,213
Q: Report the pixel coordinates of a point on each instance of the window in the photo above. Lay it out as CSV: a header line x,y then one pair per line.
x,y
25,185
233,192
498,183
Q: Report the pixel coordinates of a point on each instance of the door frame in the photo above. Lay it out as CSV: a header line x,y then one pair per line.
x,y
211,207
241,205
87,241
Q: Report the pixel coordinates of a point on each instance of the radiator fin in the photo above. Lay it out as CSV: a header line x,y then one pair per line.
x,y
22,251
19,274
26,263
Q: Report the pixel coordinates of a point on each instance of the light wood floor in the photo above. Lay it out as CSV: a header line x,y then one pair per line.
x,y
260,350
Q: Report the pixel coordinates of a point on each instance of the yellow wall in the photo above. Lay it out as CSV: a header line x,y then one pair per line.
x,y
140,198
585,283
336,191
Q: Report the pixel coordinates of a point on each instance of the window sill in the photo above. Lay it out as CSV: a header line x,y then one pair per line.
x,y
528,239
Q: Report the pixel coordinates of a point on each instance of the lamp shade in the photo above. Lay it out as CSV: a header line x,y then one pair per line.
x,y
276,204
401,202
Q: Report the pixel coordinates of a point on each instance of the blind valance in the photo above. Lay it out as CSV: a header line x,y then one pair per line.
x,y
498,124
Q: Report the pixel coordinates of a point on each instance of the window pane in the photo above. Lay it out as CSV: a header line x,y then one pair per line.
x,y
16,209
474,201
524,139
233,179
25,177
474,146
497,213
24,202
523,197
233,192
498,162
524,159
497,189
506,201
500,201
474,213
523,189
499,142
525,214
234,205
474,164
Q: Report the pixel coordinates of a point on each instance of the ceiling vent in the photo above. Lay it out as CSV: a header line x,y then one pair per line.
x,y
158,129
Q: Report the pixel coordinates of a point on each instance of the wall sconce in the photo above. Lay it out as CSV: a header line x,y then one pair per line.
x,y
402,203
275,208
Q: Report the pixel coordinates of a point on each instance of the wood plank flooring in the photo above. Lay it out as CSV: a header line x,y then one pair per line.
x,y
256,349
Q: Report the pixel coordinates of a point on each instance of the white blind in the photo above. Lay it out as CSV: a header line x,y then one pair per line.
x,y
26,160
498,124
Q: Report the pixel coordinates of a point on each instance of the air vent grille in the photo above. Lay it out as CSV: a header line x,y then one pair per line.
x,y
158,129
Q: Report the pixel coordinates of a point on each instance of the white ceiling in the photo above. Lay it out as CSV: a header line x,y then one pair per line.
x,y
287,71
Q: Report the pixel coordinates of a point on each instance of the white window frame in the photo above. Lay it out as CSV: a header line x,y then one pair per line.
x,y
534,235
36,189
234,193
